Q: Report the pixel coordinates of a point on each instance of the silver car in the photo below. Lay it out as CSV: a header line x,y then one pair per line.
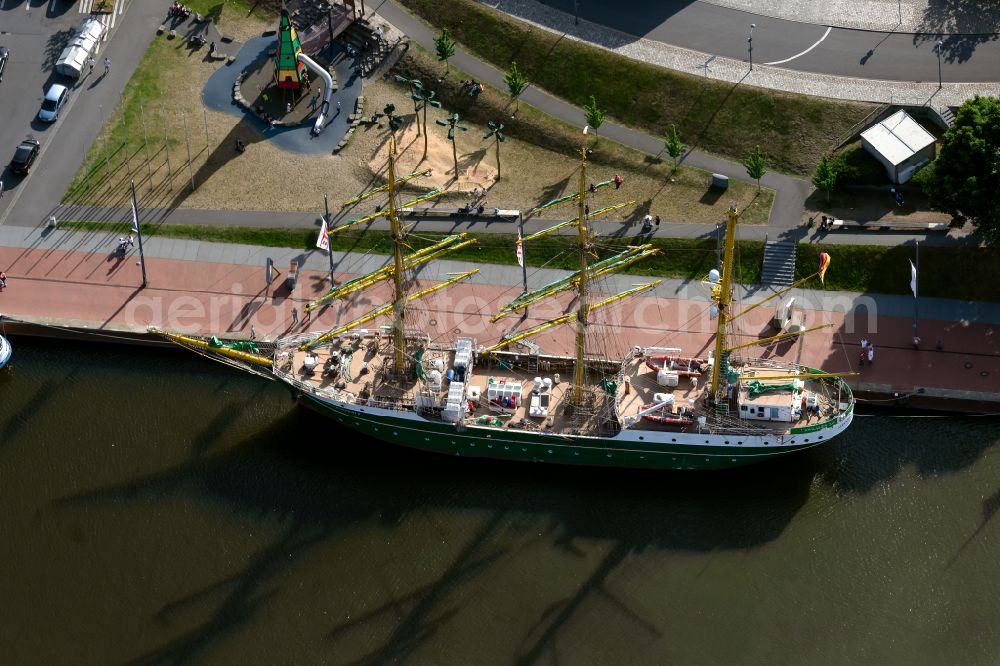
x,y
53,102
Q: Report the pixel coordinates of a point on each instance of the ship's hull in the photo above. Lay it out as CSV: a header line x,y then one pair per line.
x,y
630,448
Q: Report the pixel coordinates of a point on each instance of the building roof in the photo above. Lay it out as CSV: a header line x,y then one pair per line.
x,y
898,137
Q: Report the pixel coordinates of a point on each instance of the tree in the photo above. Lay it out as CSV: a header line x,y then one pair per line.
x,y
825,178
593,114
755,164
496,131
966,175
451,122
445,46
422,98
672,142
516,83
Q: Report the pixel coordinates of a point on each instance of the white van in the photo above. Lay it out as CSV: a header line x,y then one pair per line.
x,y
82,47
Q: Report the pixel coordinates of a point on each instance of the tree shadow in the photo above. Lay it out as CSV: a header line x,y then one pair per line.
x,y
54,46
960,26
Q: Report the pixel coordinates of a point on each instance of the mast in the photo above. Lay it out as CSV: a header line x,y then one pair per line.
x,y
399,304
725,301
581,285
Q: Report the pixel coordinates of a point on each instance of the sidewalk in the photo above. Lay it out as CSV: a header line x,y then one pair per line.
x,y
72,279
472,224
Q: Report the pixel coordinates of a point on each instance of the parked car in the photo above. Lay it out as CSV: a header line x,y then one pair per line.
x,y
54,100
25,155
4,55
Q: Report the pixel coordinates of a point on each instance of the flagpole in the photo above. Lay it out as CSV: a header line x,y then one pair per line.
x,y
138,233
329,249
916,290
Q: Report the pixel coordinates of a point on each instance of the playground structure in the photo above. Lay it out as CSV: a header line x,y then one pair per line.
x,y
290,64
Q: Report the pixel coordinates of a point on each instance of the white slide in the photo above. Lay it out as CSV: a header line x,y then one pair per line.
x,y
327,92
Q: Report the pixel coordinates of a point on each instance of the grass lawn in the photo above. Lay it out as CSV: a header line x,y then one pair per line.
x,y
718,117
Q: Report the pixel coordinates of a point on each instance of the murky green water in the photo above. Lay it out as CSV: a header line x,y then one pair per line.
x,y
159,509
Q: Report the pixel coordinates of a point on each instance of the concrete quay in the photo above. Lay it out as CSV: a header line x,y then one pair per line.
x,y
73,280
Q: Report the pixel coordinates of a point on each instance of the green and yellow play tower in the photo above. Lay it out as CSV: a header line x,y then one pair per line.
x,y
290,72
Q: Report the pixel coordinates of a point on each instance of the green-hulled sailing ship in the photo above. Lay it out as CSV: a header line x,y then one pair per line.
x,y
649,407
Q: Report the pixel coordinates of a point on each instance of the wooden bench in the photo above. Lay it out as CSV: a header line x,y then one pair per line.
x,y
888,226
427,211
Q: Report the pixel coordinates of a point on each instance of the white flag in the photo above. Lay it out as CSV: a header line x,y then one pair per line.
x,y
913,279
323,241
520,250
135,218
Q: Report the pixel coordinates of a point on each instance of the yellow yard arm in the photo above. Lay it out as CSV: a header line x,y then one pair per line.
x,y
384,310
780,336
362,197
544,326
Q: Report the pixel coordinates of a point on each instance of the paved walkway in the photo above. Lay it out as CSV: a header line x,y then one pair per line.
x,y
949,18
473,224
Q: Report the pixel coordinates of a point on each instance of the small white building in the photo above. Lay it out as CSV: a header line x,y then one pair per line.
x,y
900,144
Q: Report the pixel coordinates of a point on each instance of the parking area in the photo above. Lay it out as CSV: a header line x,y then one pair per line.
x,y
35,33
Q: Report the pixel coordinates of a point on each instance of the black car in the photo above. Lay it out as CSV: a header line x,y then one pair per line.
x,y
25,155
4,54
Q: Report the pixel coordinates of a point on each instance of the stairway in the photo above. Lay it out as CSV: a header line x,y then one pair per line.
x,y
371,52
946,115
778,269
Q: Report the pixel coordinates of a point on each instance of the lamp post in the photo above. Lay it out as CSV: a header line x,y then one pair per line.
x,y
750,44
937,47
576,12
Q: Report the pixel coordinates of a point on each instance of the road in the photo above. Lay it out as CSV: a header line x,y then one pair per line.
x,y
35,32
715,30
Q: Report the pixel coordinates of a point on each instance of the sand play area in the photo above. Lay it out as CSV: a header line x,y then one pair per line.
x,y
475,169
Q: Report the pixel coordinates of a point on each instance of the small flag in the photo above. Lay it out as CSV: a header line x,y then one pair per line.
x,y
323,241
520,250
913,279
824,263
135,218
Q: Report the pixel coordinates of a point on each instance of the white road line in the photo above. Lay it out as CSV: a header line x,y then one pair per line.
x,y
799,55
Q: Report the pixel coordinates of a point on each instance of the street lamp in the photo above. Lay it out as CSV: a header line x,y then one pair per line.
x,y
937,47
576,12
750,44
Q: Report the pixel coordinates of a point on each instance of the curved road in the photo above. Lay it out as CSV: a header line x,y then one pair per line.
x,y
715,30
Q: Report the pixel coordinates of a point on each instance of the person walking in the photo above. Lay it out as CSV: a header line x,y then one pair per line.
x,y
312,102
657,222
3,280
253,333
871,355
338,107
306,314
864,343
295,317
618,181
1,189
107,66
92,63
861,359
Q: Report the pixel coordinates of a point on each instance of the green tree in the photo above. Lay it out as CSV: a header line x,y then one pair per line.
x,y
422,98
594,114
755,165
451,122
825,178
966,175
672,142
516,83
445,46
496,131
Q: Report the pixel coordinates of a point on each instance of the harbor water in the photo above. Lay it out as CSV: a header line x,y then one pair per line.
x,y
158,508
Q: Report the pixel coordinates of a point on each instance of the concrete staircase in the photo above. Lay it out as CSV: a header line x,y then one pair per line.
x,y
370,52
946,115
778,269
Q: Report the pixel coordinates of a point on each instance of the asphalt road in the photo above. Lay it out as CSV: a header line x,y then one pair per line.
x,y
36,31
855,53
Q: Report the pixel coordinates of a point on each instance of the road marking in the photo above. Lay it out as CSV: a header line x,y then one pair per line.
x,y
85,6
799,55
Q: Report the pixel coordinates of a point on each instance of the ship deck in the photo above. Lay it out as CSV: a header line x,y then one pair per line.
x,y
500,391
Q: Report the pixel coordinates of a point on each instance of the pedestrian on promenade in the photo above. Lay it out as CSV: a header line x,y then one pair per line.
x,y
253,333
288,107
312,102
864,343
1,189
871,354
107,66
295,317
657,220
92,63
211,49
3,280
618,181
647,223
306,314
861,358
338,107
916,341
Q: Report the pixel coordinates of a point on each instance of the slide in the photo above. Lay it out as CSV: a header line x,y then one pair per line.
x,y
327,91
